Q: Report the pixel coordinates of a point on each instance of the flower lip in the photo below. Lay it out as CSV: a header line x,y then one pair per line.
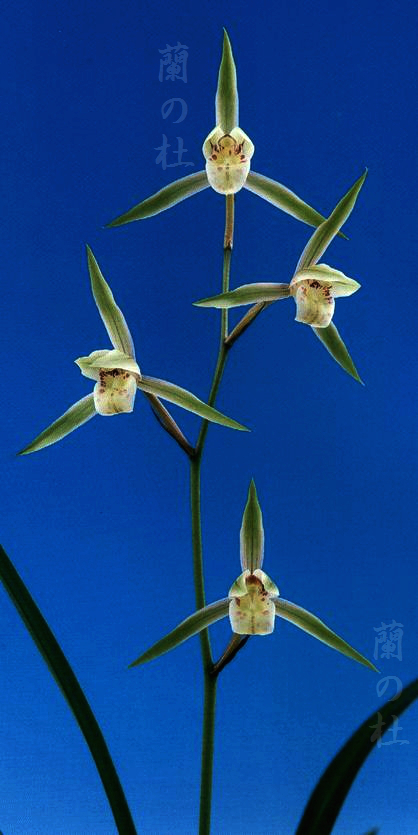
x,y
227,158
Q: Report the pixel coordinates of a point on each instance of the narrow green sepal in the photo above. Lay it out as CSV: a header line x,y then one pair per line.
x,y
74,417
164,199
186,629
227,114
286,200
252,532
325,233
332,341
186,400
313,626
112,316
246,294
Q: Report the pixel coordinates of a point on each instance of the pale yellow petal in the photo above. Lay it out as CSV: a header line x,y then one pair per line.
x,y
227,159
115,391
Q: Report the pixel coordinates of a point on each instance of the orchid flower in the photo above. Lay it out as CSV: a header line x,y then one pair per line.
x,y
228,152
117,376
314,286
253,601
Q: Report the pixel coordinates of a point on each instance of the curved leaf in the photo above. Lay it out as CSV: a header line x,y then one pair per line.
x,y
75,416
332,341
187,400
329,794
227,94
186,629
112,316
252,533
71,690
164,199
323,236
313,626
283,198
246,294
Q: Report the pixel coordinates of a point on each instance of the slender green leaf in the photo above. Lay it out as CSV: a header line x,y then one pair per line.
x,y
227,94
252,533
186,629
329,794
283,198
164,199
75,416
315,627
246,294
112,316
188,401
325,233
71,690
332,341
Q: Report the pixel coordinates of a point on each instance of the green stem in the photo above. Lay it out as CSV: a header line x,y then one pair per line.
x,y
71,690
210,679
207,753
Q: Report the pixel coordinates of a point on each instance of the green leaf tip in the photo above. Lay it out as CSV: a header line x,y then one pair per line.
x,y
226,105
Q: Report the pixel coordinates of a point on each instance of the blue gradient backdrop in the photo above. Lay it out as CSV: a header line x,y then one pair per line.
x,y
98,525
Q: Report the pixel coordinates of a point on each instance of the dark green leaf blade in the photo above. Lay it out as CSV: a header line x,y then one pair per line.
x,y
186,629
186,400
74,417
226,104
329,794
71,690
332,341
164,199
283,198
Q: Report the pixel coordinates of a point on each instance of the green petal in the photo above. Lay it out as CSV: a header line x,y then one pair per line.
x,y
327,798
164,199
325,233
252,533
113,318
246,294
334,344
186,629
187,400
227,94
313,626
75,416
283,198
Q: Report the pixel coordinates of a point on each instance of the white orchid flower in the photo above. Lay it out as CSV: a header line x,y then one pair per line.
x,y
314,286
253,602
228,152
117,376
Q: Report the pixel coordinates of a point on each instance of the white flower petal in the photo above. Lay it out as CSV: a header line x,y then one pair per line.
x,y
314,302
115,391
252,611
91,365
227,159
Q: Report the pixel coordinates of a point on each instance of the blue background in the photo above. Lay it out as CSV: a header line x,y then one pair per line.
x,y
99,525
